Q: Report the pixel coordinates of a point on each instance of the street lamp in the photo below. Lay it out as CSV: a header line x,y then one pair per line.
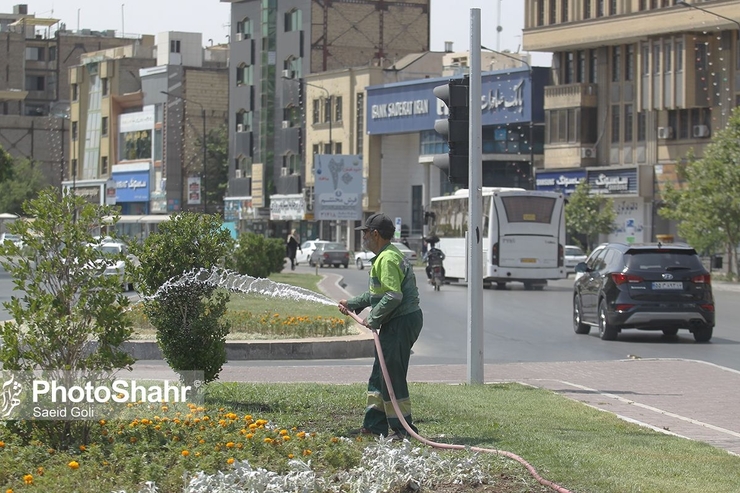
x,y
531,113
692,6
205,174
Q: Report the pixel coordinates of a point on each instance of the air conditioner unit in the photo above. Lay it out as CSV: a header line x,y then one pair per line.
x,y
587,152
239,36
239,127
665,133
284,171
288,74
700,131
286,124
238,173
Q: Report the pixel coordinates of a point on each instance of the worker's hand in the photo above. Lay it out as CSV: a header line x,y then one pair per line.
x,y
343,307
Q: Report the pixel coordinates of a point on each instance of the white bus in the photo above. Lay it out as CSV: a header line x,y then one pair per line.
x,y
523,235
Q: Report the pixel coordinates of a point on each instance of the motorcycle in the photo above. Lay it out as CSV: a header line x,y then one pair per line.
x,y
438,277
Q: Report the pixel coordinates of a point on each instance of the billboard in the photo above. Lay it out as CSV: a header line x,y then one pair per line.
x,y
338,187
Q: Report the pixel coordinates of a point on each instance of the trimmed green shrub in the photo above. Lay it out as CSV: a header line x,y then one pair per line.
x,y
258,256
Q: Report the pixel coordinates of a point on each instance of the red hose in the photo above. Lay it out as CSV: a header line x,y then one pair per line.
x,y
426,441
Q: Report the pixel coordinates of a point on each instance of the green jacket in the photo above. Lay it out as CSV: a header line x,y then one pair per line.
x,y
392,288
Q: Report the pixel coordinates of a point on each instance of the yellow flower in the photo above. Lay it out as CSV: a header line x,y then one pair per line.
x,y
230,460
74,465
286,438
307,452
290,456
197,454
268,440
249,435
9,490
201,441
82,448
2,444
28,479
334,440
184,453
40,471
229,444
283,432
301,434
102,422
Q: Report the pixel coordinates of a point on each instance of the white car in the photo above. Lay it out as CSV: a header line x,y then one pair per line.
x,y
116,267
11,237
573,256
363,258
307,248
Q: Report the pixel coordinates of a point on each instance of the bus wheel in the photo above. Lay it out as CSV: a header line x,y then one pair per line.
x,y
501,285
528,286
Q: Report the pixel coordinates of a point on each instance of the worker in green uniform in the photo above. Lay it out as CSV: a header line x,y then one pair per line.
x,y
395,313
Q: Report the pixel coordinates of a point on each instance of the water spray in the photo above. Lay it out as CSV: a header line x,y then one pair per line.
x,y
448,446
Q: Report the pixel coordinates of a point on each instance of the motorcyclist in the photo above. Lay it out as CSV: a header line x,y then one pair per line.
x,y
434,256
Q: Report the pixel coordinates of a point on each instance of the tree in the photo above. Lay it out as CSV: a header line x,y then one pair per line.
x,y
187,317
258,256
6,164
217,164
589,215
23,182
69,315
707,206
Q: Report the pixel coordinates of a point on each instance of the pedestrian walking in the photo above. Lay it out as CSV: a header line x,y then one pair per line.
x,y
292,245
394,300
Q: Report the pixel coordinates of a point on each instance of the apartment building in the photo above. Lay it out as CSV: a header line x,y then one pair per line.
x,y
138,118
635,85
274,47
35,59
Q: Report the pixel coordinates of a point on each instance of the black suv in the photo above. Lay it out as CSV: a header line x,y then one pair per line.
x,y
649,287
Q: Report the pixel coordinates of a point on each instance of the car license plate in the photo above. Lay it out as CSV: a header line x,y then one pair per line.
x,y
529,260
667,285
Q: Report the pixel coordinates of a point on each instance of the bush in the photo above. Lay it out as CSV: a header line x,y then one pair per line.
x,y
187,317
258,256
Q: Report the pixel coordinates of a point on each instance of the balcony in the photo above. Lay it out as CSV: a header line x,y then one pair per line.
x,y
570,96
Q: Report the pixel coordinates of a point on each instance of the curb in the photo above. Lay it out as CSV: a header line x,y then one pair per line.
x,y
347,347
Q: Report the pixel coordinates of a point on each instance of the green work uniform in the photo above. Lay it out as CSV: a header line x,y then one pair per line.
x,y
394,299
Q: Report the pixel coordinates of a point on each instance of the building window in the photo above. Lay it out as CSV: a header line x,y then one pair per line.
x,y
75,92
293,20
616,63
316,149
612,7
244,75
104,165
569,67
581,66
244,121
104,125
540,12
136,145
327,110
679,55
667,55
338,148
586,9
316,111
645,60
338,109
599,8
616,125
104,86
35,53
360,124
656,58
327,148
553,12
244,29
628,117
74,130
593,66
174,46
35,83
294,66
641,126
564,11
629,63
52,53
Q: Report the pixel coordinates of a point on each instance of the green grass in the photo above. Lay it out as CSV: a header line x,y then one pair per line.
x,y
580,448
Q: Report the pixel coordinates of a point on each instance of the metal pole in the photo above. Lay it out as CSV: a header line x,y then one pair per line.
x,y
205,171
61,168
475,216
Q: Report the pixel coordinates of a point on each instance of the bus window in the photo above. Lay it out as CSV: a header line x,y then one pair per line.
x,y
521,209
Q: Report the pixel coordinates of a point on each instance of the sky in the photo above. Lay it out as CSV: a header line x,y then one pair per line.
x,y
450,19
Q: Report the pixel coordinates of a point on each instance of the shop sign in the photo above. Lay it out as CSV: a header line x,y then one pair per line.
x,y
613,182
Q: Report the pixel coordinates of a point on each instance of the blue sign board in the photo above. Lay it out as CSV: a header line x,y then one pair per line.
x,y
132,186
559,181
507,97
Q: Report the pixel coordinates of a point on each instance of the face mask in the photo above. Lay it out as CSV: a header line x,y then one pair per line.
x,y
366,242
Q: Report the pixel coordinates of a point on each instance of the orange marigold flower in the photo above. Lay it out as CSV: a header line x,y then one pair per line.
x,y
307,452
249,435
74,465
268,440
286,438
82,448
2,444
185,453
290,456
283,432
229,444
334,440
28,479
102,422
230,460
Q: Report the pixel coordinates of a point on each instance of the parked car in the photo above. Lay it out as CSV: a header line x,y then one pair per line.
x,y
114,265
307,248
573,256
329,253
363,258
648,287
11,237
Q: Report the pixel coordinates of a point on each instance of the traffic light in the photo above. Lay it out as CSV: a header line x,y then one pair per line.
x,y
454,129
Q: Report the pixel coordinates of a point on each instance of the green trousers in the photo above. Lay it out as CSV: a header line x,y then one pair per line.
x,y
397,337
